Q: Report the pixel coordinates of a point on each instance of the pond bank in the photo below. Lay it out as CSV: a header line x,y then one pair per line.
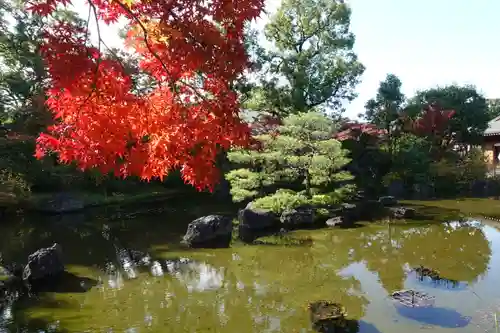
x,y
68,202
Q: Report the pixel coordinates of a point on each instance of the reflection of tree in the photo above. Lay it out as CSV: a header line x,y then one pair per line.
x,y
459,251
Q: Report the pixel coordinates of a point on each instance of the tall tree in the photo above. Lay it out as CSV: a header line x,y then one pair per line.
x,y
471,110
386,108
493,107
23,76
312,64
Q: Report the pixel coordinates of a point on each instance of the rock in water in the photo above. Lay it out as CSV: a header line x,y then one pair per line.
x,y
44,263
401,212
413,299
330,317
257,219
209,231
388,201
299,216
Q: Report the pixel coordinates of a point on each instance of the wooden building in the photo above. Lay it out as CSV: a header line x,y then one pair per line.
x,y
491,142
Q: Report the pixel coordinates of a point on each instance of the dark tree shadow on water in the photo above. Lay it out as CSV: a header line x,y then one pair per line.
x,y
65,282
349,326
442,317
21,321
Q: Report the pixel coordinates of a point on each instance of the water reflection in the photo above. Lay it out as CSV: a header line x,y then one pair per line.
x,y
459,250
435,316
139,278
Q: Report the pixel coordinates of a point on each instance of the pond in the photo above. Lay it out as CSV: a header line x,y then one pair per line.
x,y
264,287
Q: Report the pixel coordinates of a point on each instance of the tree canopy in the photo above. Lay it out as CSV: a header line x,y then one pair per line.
x,y
471,110
312,64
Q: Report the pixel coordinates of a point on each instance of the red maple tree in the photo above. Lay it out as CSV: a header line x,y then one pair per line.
x,y
433,121
354,130
193,48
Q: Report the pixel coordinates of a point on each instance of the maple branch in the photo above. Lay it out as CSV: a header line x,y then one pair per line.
x,y
150,49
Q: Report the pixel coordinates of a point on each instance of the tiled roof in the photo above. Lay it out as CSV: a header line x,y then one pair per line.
x,y
493,127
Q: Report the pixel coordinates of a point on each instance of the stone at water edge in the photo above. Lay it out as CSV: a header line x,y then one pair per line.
x,y
209,231
299,216
388,201
257,219
413,299
46,262
326,310
401,212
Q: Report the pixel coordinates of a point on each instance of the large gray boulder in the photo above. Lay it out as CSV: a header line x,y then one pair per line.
x,y
209,231
257,219
44,263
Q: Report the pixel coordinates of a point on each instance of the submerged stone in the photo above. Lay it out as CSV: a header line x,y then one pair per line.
x,y
325,310
330,317
413,299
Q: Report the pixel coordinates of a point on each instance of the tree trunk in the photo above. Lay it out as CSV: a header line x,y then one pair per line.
x,y
308,185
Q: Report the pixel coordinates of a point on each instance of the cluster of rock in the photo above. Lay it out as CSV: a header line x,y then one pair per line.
x,y
216,230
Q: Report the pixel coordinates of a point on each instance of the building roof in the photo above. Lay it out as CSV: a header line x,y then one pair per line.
x,y
493,127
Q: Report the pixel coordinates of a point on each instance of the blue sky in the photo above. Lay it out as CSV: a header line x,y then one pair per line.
x,y
425,42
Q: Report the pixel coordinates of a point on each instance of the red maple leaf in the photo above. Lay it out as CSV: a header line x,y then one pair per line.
x,y
193,48
433,121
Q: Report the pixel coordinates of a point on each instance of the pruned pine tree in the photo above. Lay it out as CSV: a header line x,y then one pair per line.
x,y
301,152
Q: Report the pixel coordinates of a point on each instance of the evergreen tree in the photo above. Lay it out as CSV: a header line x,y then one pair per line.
x,y
300,151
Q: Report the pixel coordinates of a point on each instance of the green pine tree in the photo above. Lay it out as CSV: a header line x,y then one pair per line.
x,y
304,153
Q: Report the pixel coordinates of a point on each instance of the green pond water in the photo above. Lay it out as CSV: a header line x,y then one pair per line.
x,y
264,287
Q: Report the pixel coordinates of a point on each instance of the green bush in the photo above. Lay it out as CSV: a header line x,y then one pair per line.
x,y
280,201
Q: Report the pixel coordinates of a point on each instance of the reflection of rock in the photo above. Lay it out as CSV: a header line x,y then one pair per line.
x,y
45,262
197,276
126,263
65,282
301,216
329,317
9,288
209,231
412,298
